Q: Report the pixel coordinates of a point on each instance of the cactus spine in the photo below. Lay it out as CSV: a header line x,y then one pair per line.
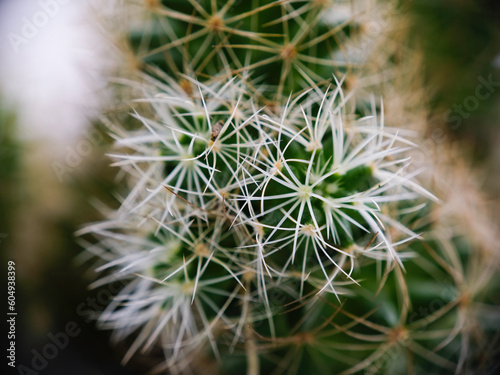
x,y
273,220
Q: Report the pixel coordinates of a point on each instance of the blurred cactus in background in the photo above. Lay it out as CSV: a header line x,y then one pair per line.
x,y
274,219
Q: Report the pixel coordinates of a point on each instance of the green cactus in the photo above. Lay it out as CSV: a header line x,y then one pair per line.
x,y
273,222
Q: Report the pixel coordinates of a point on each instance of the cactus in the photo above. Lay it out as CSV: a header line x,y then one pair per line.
x,y
273,222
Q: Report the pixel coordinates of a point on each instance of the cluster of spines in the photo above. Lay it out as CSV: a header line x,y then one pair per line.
x,y
280,46
230,201
249,209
